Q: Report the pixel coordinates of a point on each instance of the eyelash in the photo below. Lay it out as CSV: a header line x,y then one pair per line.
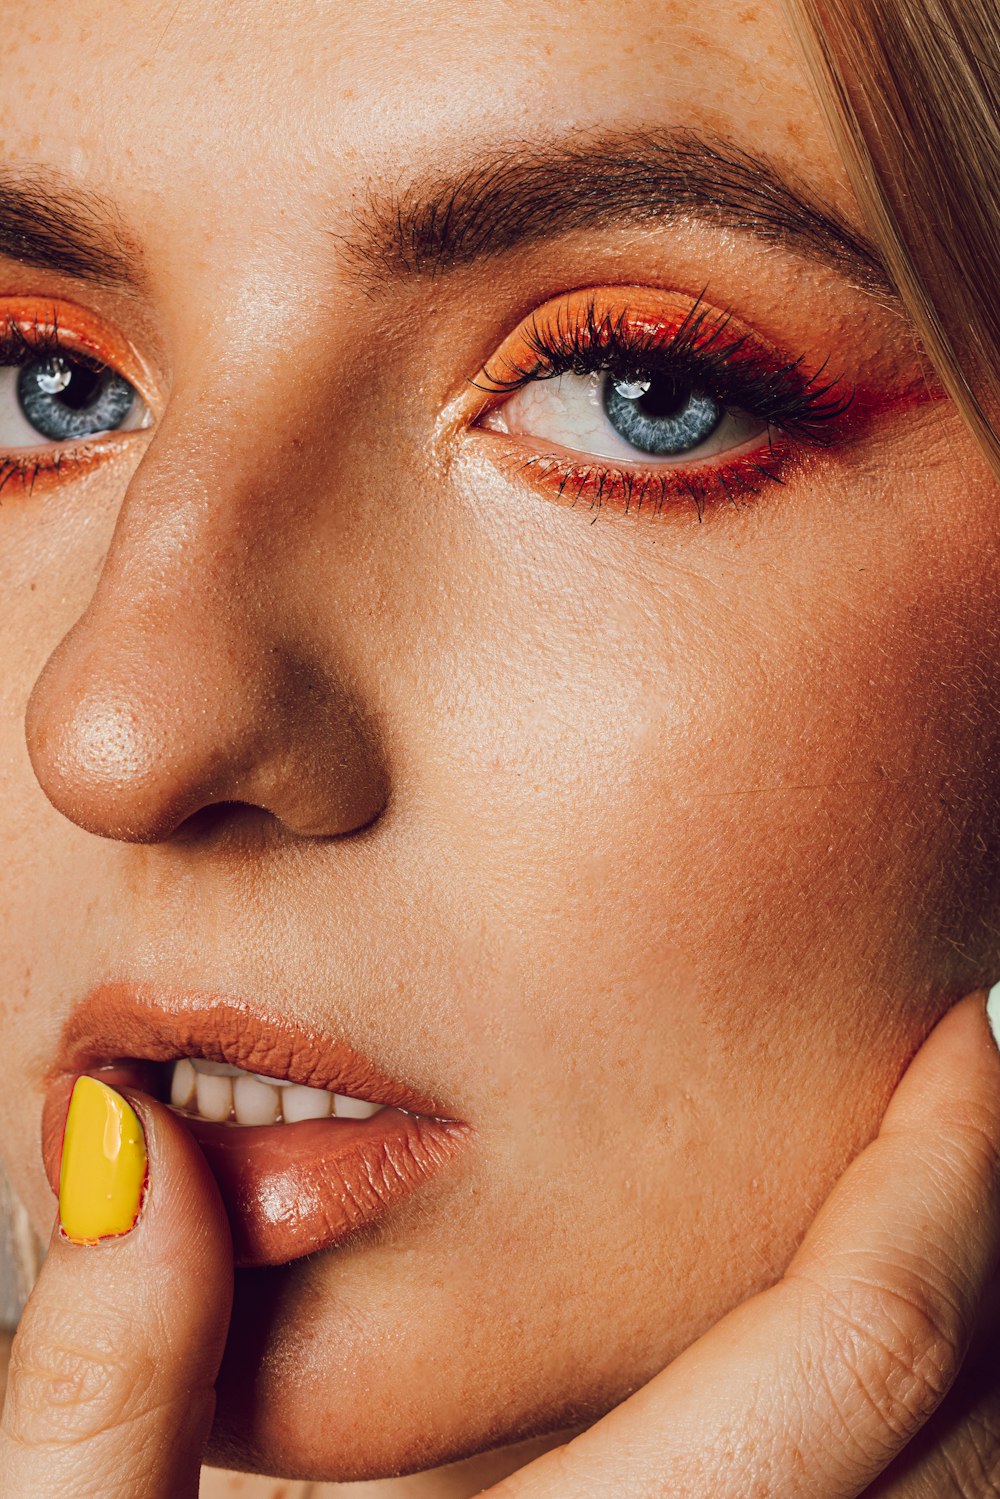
x,y
22,342
806,410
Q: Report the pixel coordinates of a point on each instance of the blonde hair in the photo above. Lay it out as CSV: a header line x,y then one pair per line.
x,y
911,91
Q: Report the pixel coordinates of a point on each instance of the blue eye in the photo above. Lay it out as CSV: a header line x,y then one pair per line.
x,y
660,415
65,399
604,415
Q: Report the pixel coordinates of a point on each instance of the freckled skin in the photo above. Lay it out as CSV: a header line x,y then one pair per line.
x,y
654,847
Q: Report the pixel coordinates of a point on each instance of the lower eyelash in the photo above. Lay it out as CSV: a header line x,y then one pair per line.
x,y
23,473
628,491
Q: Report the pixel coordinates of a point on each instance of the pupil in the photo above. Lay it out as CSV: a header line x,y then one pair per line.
x,y
664,398
72,385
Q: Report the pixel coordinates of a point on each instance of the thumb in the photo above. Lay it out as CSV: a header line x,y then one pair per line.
x,y
111,1385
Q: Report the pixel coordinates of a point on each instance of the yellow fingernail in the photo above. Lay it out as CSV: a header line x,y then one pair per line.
x,y
103,1169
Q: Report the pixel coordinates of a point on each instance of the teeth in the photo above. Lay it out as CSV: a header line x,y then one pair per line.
x,y
272,1082
182,1084
215,1096
354,1108
306,1103
254,1102
225,1094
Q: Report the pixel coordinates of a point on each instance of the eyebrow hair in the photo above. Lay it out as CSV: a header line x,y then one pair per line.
x,y
526,193
520,195
55,226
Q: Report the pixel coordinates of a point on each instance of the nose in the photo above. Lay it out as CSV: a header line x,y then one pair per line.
x,y
194,680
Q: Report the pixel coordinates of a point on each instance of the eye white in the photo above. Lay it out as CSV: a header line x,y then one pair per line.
x,y
569,410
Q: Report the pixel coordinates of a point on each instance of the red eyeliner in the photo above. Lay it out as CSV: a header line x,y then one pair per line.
x,y
637,332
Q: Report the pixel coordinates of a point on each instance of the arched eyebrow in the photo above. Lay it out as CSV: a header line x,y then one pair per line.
x,y
526,193
55,226
513,197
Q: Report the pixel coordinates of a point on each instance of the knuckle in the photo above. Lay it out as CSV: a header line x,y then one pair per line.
x,y
900,1349
67,1387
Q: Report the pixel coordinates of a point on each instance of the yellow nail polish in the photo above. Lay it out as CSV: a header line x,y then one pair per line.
x,y
103,1169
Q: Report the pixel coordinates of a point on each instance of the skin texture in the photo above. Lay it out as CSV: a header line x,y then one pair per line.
x,y
654,848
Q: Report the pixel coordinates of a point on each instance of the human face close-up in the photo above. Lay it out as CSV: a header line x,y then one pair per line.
x,y
379,716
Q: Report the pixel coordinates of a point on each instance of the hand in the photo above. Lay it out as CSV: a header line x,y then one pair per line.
x,y
819,1385
813,1388
110,1391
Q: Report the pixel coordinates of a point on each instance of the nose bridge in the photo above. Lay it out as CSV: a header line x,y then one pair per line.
x,y
184,683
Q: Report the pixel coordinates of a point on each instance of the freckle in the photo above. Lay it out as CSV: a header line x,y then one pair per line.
x,y
747,17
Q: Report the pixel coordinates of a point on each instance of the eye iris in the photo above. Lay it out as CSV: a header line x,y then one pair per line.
x,y
660,415
64,398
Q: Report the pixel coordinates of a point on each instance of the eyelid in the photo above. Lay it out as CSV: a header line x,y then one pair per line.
x,y
650,313
78,330
631,330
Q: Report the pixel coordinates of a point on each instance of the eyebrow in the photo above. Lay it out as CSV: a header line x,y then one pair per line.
x,y
521,195
525,194
54,226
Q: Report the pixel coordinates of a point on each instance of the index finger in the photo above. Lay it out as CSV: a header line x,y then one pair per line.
x,y
812,1387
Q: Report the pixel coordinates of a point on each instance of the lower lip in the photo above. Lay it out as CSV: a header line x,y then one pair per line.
x,y
292,1189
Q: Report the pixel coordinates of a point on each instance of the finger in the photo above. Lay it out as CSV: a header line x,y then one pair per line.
x,y
957,1454
809,1389
110,1389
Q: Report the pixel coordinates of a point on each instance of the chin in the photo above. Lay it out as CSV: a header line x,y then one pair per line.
x,y
308,1390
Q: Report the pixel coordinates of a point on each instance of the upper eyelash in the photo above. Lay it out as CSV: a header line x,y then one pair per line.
x,y
727,366
21,343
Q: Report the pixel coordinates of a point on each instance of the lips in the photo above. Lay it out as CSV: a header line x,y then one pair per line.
x,y
289,1189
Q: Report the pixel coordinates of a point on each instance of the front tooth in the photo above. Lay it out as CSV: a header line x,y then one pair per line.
x,y
254,1102
354,1108
305,1103
215,1096
182,1084
215,1069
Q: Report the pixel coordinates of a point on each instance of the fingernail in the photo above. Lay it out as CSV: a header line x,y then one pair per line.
x,y
993,1012
103,1168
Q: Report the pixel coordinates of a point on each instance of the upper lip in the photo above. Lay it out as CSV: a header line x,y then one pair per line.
x,y
135,1020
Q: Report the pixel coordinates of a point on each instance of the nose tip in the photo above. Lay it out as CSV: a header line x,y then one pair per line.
x,y
136,762
100,769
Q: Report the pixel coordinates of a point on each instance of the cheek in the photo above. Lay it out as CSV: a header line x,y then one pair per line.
x,y
50,555
744,865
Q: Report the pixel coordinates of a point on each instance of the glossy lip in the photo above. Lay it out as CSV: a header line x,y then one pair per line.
x,y
289,1189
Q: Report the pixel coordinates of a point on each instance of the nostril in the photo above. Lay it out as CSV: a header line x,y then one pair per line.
x,y
227,817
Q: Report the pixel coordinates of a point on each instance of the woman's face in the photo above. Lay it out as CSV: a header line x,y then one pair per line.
x,y
646,843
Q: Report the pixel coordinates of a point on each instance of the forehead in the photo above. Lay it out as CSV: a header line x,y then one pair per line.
x,y
262,110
